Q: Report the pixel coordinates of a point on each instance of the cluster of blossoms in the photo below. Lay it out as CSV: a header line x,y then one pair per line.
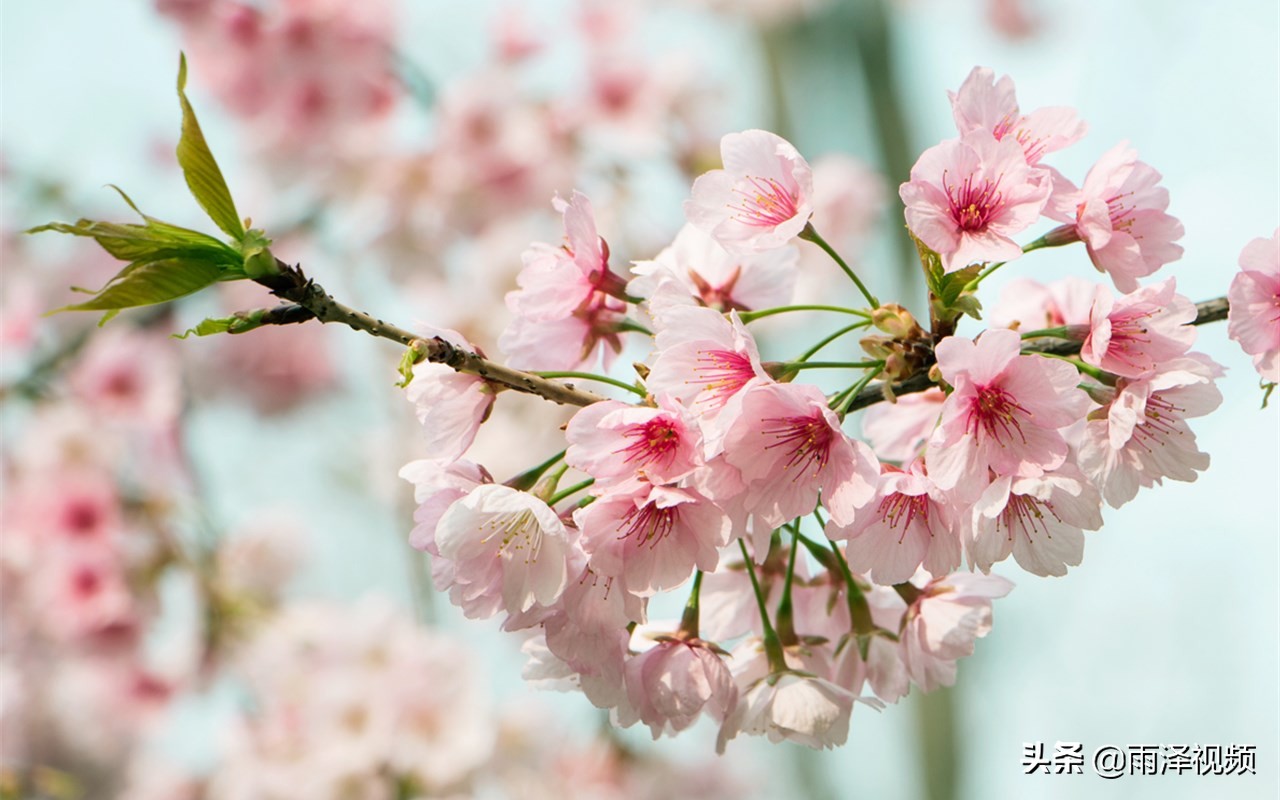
x,y
1075,397
358,701
88,486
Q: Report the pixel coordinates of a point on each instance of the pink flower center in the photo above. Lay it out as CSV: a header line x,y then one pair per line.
x,y
1003,127
974,203
516,531
765,202
807,441
86,583
656,441
722,373
1026,515
1121,214
81,516
904,508
1130,337
648,524
994,412
1160,422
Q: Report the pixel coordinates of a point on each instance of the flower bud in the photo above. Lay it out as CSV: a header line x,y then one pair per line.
x,y
896,321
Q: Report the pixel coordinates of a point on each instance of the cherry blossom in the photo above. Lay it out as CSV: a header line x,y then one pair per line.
x,y
760,200
695,269
1039,520
898,431
794,706
789,448
567,306
450,405
1133,334
613,441
1119,213
1141,435
908,522
942,623
652,537
509,548
676,680
1006,413
1254,316
1028,305
968,196
985,104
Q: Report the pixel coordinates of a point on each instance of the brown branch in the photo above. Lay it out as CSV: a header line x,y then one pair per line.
x,y
313,302
309,297
1209,311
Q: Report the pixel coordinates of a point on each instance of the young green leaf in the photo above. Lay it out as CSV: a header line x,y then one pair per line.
x,y
201,170
144,284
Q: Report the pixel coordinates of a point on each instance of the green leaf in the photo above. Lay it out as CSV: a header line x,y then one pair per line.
x,y
258,259
240,322
154,241
144,284
201,170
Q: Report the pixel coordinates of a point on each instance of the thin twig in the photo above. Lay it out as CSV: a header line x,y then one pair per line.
x,y
292,285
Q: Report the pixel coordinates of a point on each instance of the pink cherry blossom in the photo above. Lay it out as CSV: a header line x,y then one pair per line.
x,y
1028,305
967,197
1006,413
883,670
567,307
1133,334
509,548
613,441
1119,213
436,485
789,448
706,362
793,706
985,104
676,680
697,270
909,522
760,200
1039,520
311,75
943,622
652,537
586,630
898,431
450,405
1141,436
1254,317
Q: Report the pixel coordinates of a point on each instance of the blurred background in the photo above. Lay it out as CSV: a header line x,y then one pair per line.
x,y
232,609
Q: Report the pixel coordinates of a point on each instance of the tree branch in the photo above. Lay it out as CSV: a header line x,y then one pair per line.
x,y
312,301
1209,311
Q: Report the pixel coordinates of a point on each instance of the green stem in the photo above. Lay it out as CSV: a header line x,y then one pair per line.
x,y
829,339
786,621
752,316
972,286
1059,332
527,479
590,376
1100,375
843,408
772,647
859,611
796,366
810,234
689,620
563,493
634,327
